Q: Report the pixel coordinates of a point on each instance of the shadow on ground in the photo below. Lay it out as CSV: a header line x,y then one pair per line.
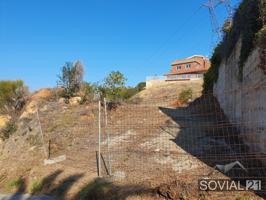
x,y
98,189
101,189
206,133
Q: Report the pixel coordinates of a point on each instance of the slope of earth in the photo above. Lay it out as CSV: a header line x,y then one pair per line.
x,y
168,92
146,159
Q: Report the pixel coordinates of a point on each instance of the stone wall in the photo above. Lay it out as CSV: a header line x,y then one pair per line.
x,y
244,103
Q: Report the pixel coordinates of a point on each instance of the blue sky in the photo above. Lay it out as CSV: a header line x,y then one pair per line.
x,y
137,37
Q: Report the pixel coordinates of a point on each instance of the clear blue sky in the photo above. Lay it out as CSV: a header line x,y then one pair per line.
x,y
137,37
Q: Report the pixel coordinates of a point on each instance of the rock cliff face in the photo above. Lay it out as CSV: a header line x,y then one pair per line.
x,y
244,102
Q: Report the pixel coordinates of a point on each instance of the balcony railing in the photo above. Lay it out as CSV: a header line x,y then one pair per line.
x,y
184,77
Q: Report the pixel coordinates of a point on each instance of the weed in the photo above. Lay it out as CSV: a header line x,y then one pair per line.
x,y
14,183
52,128
36,186
9,129
185,95
212,74
261,38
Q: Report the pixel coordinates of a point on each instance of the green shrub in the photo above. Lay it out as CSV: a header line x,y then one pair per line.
x,y
141,86
185,95
12,96
246,23
8,130
128,92
114,89
36,186
14,183
211,76
261,38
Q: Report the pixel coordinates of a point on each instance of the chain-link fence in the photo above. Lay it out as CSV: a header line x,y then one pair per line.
x,y
185,136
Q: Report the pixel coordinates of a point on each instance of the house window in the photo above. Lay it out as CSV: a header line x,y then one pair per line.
x,y
178,68
188,66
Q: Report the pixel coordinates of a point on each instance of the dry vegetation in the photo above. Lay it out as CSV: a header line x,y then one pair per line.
x,y
143,151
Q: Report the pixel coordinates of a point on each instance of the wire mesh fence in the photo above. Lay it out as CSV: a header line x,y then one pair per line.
x,y
156,140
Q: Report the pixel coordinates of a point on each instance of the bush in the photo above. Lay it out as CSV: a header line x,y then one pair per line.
x,y
114,89
261,42
246,23
128,92
36,186
212,74
185,96
261,38
141,86
87,92
8,130
14,183
12,96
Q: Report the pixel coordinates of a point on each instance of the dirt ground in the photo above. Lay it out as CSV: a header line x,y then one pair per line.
x,y
155,151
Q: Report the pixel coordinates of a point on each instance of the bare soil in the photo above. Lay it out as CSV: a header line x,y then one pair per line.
x,y
146,159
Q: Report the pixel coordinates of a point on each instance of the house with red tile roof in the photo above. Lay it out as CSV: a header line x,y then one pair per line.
x,y
189,68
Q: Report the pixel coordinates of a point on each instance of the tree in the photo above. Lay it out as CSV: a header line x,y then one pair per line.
x,y
78,74
113,85
71,78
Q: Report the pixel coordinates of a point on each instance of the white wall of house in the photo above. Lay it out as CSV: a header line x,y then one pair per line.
x,y
157,81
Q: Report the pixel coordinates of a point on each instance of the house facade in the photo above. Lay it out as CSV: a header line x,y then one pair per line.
x,y
189,68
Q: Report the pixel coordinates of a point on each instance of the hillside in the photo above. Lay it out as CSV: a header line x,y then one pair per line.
x,y
151,155
169,92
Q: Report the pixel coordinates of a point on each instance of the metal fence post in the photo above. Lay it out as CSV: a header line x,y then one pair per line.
x,y
40,127
99,140
108,138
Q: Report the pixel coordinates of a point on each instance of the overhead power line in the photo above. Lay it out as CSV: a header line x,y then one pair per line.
x,y
211,5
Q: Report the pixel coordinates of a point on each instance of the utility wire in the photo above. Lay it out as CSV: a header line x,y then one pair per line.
x,y
173,34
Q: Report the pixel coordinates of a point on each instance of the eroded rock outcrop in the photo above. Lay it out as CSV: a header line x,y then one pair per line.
x,y
243,102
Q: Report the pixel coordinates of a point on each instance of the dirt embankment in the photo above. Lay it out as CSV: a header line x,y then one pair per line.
x,y
146,159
